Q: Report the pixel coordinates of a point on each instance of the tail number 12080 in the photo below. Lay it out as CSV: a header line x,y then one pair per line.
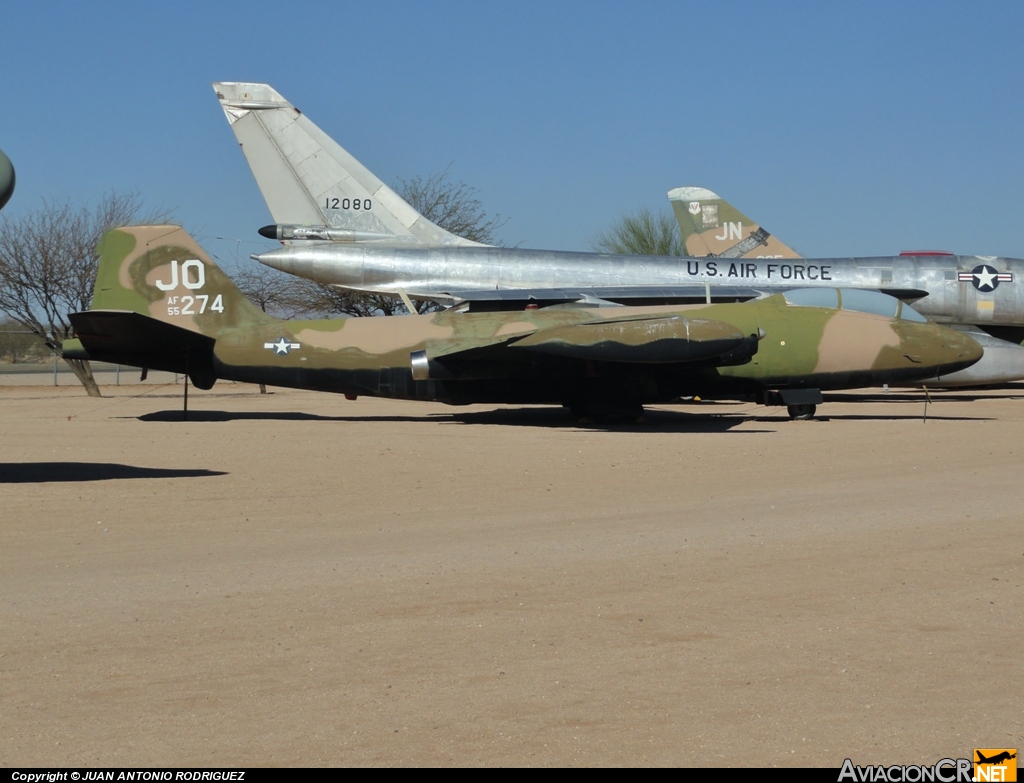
x,y
345,203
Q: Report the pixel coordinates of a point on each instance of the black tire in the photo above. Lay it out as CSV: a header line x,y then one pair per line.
x,y
801,412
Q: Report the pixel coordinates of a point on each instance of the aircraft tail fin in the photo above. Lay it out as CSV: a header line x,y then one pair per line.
x,y
160,302
160,272
711,226
313,187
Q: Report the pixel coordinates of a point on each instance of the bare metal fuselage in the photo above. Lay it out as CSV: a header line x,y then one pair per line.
x,y
442,273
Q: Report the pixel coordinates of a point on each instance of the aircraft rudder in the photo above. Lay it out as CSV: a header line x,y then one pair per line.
x,y
308,180
161,272
711,226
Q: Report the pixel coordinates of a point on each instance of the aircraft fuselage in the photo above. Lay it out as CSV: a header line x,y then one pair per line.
x,y
959,289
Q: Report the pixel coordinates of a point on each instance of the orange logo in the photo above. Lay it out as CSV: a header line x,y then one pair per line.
x,y
995,764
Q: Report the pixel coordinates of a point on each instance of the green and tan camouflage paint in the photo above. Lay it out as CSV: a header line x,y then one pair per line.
x,y
711,226
161,273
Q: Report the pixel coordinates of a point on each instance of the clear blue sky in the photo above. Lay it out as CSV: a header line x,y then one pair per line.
x,y
845,128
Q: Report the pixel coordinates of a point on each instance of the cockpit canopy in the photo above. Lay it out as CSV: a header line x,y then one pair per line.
x,y
860,300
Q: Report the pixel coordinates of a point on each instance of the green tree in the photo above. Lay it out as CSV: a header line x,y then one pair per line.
x,y
48,266
642,233
17,344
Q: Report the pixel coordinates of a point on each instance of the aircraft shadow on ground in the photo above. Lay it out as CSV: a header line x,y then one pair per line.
x,y
219,416
660,420
654,421
44,472
905,403
553,417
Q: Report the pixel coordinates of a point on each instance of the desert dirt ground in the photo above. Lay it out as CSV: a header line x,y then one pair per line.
x,y
297,579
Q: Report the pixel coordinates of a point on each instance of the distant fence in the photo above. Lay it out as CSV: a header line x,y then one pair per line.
x,y
57,372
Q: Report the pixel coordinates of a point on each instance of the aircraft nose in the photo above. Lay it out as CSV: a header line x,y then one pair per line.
x,y
958,350
967,348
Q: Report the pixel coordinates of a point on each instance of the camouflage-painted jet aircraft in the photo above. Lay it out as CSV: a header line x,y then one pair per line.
x,y
160,302
711,226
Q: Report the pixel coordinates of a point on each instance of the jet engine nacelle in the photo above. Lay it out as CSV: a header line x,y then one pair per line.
x,y
6,179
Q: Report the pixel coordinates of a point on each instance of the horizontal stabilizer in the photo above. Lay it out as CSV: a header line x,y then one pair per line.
x,y
130,338
651,340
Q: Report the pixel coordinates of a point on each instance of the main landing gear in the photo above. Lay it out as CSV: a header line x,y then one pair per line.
x,y
801,412
801,403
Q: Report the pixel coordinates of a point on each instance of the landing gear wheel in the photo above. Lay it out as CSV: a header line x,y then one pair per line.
x,y
801,412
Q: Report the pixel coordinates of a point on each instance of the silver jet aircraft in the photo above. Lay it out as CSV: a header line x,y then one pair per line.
x,y
341,225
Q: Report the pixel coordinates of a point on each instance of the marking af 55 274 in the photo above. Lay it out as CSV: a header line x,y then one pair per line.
x,y
161,303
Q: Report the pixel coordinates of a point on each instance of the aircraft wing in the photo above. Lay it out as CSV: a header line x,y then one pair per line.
x,y
644,341
515,298
629,339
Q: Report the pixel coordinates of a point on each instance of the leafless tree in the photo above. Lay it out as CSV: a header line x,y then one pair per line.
x,y
274,292
642,233
451,205
328,300
48,264
287,296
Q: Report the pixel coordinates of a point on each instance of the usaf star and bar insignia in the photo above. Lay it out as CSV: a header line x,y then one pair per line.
x,y
985,278
282,346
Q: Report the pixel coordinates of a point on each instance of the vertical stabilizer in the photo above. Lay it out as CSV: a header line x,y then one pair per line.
x,y
712,226
160,272
308,179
